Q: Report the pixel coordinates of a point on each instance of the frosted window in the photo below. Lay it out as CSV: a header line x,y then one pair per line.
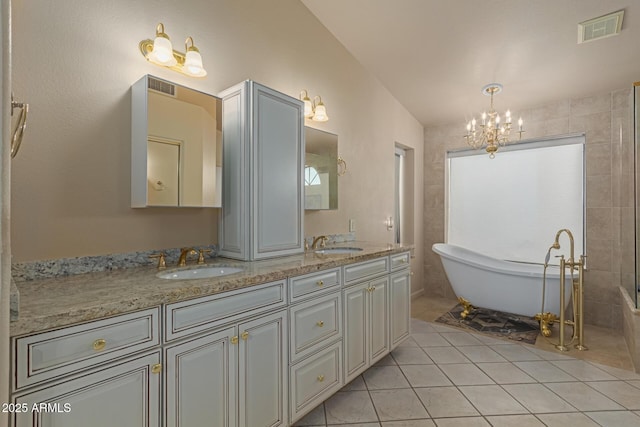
x,y
512,206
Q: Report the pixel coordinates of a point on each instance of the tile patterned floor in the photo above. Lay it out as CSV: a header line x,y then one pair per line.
x,y
446,377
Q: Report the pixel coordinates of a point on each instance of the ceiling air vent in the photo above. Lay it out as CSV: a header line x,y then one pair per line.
x,y
598,28
162,87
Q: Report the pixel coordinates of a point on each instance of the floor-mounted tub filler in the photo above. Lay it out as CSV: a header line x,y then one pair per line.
x,y
514,287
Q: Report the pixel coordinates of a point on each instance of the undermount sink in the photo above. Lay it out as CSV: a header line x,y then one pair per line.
x,y
328,251
199,273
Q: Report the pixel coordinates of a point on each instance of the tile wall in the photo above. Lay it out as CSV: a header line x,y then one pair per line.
x,y
605,119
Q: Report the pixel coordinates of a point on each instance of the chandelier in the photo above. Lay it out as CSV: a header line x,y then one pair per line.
x,y
491,133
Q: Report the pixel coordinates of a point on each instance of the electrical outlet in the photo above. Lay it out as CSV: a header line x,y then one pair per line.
x,y
352,225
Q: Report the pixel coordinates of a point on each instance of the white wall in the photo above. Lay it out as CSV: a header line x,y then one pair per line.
x,y
74,62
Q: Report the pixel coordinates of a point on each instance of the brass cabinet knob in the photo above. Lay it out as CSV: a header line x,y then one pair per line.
x,y
320,282
234,339
99,344
320,323
244,335
156,369
320,378
373,288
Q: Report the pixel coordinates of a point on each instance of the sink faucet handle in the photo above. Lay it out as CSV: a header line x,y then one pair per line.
x,y
201,253
162,264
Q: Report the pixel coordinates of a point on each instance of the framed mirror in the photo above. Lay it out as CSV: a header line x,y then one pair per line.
x,y
176,145
320,170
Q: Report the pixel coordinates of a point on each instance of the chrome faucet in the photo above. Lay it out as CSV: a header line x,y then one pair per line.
x,y
182,261
321,239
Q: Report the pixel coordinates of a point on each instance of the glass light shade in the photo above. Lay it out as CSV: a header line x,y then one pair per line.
x,y
320,113
162,52
193,64
308,107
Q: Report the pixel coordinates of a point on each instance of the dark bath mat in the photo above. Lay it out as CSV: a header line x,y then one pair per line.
x,y
495,323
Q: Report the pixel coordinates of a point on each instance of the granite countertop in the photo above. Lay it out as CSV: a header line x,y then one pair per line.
x,y
57,302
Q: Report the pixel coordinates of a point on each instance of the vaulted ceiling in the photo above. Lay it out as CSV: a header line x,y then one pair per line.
x,y
435,56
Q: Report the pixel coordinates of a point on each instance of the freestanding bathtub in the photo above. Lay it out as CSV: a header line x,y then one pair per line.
x,y
507,286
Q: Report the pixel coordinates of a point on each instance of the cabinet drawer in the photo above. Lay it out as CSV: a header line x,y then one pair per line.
x,y
314,323
44,356
314,283
315,379
200,314
399,261
366,269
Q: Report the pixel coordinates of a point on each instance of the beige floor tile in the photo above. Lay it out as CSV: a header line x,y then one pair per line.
x,y
621,392
386,361
350,407
544,371
462,422
537,399
411,356
505,373
492,400
384,377
481,353
565,420
460,339
515,352
314,418
515,420
443,355
465,374
583,371
425,376
431,339
445,402
400,404
409,423
615,418
583,397
356,384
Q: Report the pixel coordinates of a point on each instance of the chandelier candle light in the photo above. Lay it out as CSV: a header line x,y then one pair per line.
x,y
491,133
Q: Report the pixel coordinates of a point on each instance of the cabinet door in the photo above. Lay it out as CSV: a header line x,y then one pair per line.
x,y
263,371
355,330
378,319
201,381
400,307
124,395
277,170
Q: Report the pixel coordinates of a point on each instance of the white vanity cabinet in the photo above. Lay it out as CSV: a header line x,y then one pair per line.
x,y
366,315
235,375
93,374
263,188
315,344
400,298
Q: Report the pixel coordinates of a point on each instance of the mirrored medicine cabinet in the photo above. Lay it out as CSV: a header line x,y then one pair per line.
x,y
176,145
320,170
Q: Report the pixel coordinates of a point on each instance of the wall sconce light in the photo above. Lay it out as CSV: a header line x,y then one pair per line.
x,y
316,112
160,52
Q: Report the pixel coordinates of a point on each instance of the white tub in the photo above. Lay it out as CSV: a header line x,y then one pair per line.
x,y
506,286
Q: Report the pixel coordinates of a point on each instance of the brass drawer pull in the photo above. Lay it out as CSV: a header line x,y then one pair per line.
x,y
234,339
320,323
320,378
99,344
244,335
320,282
156,369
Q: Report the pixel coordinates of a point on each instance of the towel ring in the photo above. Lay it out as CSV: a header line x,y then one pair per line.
x,y
18,132
343,163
